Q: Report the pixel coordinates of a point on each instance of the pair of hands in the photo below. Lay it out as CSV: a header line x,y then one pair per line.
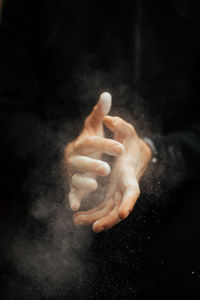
x,y
84,164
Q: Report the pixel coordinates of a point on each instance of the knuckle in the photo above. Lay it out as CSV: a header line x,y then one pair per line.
x,y
137,191
77,146
88,141
74,179
131,129
69,160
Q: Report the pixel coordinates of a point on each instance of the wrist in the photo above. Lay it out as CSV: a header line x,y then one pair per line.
x,y
145,158
146,152
154,151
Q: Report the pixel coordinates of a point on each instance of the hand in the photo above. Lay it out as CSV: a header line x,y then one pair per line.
x,y
123,190
83,155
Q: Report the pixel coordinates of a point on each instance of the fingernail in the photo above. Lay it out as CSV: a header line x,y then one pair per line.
x,y
103,169
118,148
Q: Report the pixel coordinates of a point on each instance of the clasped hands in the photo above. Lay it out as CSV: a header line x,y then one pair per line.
x,y
82,157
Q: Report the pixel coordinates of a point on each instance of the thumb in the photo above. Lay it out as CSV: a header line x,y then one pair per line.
x,y
101,109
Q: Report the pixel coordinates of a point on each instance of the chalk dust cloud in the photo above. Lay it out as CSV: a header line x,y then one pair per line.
x,y
49,251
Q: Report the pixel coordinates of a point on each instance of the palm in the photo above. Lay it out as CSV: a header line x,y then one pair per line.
x,y
123,191
121,171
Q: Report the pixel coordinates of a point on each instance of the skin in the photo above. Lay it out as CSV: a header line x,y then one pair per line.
x,y
83,155
129,166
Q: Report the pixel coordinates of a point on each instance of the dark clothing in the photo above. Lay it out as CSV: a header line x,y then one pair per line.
x,y
56,58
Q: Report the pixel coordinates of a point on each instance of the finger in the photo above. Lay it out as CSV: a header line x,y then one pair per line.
x,y
101,109
131,193
130,197
106,203
98,144
87,164
90,211
119,126
75,196
82,182
111,219
91,216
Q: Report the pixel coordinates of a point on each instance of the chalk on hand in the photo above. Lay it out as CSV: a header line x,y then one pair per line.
x,y
73,200
106,100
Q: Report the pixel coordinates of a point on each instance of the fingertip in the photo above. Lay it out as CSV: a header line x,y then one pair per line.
x,y
125,210
105,100
75,219
106,97
103,169
122,214
75,215
74,203
107,119
96,228
110,122
75,206
107,170
118,148
93,185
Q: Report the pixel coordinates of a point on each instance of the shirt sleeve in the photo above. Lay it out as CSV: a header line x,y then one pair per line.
x,y
177,161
